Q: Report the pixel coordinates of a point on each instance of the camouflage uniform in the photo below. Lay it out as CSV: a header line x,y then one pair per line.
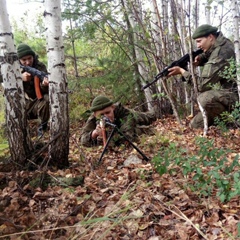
x,y
37,108
130,123
214,101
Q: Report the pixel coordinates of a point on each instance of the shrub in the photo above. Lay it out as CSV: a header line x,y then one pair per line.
x,y
229,119
206,171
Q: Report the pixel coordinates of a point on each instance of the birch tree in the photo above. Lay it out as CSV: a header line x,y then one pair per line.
x,y
134,12
59,120
16,120
236,18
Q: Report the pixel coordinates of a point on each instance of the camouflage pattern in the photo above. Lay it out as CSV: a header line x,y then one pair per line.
x,y
215,101
37,108
130,123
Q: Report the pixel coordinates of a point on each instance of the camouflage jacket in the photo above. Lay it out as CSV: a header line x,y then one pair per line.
x,y
129,122
213,62
29,86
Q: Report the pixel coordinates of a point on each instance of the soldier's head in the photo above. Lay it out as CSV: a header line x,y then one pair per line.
x,y
205,36
103,106
25,54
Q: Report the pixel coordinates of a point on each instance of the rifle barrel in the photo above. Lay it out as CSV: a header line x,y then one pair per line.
x,y
181,63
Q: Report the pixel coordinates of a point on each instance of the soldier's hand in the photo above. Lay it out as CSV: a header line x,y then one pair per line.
x,y
175,71
45,82
196,61
26,77
97,132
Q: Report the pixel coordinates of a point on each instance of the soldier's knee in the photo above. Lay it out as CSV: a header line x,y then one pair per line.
x,y
206,97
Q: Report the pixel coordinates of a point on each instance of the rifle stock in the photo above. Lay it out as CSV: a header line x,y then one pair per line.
x,y
37,87
103,129
182,62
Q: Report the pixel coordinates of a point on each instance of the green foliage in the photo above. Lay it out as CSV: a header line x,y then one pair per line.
x,y
229,118
104,53
79,103
216,86
2,109
230,71
221,124
238,227
159,95
208,170
33,35
3,135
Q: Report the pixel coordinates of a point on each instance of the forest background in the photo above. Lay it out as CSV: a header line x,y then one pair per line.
x,y
114,48
100,56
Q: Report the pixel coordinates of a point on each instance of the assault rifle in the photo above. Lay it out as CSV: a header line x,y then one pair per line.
x,y
182,62
116,129
38,77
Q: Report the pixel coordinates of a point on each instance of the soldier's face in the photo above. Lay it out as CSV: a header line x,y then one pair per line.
x,y
27,60
205,42
106,112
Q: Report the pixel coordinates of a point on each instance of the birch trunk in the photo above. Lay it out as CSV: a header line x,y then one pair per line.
x,y
208,12
163,25
133,8
59,120
16,120
236,18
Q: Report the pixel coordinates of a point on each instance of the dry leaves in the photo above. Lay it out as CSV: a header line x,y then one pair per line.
x,y
118,201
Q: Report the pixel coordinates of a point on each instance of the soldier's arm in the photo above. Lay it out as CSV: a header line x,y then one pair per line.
x,y
86,134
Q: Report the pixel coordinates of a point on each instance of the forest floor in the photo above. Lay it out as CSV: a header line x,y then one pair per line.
x,y
113,200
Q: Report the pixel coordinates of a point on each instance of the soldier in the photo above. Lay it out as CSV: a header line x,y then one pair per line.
x,y
36,108
217,50
128,121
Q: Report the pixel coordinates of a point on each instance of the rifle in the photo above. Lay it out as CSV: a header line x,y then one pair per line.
x,y
182,62
116,129
38,77
102,125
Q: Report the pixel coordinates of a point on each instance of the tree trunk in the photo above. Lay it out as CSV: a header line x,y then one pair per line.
x,y
163,25
16,120
59,120
134,14
236,18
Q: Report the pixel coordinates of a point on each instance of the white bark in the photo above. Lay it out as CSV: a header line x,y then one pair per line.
x,y
236,18
18,138
133,8
158,35
205,119
59,120
156,25
208,12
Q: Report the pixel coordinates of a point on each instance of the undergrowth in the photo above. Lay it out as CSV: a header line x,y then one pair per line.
x,y
209,169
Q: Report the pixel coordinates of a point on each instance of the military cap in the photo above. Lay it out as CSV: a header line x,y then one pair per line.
x,y
24,50
204,30
100,102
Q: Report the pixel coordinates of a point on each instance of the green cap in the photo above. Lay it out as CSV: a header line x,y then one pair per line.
x,y
24,50
204,30
100,102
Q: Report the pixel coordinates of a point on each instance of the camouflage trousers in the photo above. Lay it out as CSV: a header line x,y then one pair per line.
x,y
38,109
214,102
